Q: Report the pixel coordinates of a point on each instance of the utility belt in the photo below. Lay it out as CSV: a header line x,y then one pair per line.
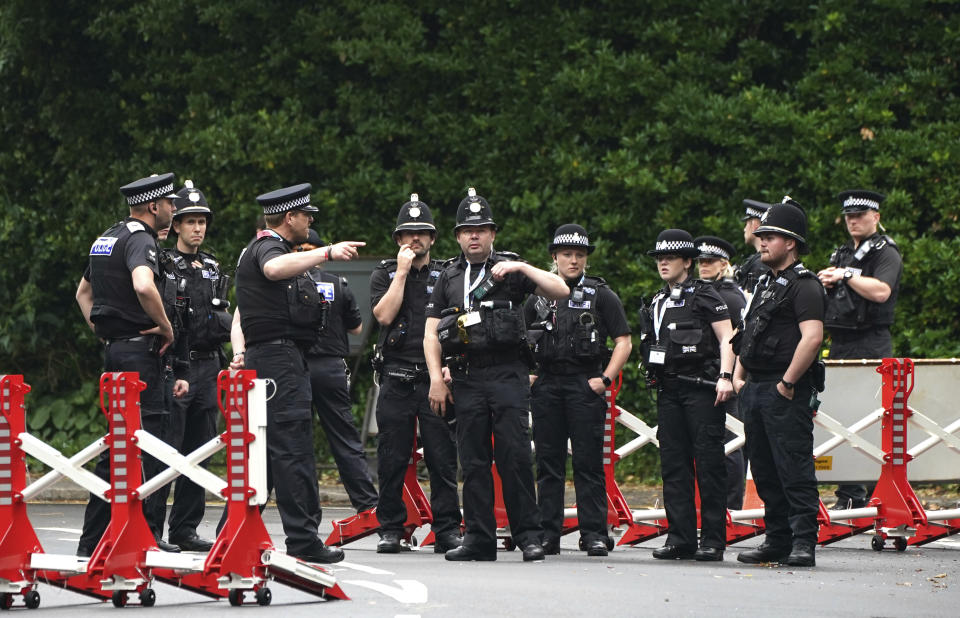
x,y
301,346
150,341
846,334
406,372
480,360
202,354
816,376
570,369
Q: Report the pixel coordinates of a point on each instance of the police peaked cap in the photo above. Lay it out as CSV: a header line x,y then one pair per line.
x,y
714,247
191,201
754,209
787,219
414,215
858,200
296,197
674,242
573,236
149,189
474,210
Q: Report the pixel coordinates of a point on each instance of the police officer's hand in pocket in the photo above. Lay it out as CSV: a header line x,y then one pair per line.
x,y
597,386
786,393
439,396
724,390
165,332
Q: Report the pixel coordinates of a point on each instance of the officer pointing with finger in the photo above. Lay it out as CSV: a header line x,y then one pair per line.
x,y
280,309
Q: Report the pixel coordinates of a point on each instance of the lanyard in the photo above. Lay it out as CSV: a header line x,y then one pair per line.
x,y
658,315
467,288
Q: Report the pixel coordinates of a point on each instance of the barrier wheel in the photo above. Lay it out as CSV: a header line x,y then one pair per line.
x,y
119,598
264,596
6,600
413,540
900,543
32,599
148,598
235,597
877,542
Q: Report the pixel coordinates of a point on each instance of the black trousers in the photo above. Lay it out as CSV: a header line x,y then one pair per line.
x,y
565,407
870,343
193,423
780,448
291,462
690,431
154,418
493,402
400,407
331,399
735,462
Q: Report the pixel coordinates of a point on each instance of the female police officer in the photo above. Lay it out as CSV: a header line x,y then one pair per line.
x,y
567,398
691,330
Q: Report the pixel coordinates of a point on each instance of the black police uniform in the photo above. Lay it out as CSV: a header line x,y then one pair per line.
x,y
570,348
491,390
690,428
749,272
279,319
194,416
779,430
404,404
330,387
118,318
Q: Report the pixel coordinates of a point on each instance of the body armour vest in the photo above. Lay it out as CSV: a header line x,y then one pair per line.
x,y
569,331
687,341
205,290
111,281
847,310
395,338
755,344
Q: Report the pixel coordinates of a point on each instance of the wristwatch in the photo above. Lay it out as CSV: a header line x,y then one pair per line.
x,y
725,375
847,274
606,381
789,385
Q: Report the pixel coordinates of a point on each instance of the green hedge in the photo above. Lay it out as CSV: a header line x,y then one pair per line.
x,y
626,117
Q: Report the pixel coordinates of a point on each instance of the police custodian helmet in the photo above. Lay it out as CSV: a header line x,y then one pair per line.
x,y
191,201
414,216
474,210
787,219
573,236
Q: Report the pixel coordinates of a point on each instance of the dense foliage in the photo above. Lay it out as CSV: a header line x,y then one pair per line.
x,y
626,117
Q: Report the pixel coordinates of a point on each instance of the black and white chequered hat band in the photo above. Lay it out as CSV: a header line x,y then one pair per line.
x,y
570,240
303,200
673,245
713,250
754,212
150,195
861,201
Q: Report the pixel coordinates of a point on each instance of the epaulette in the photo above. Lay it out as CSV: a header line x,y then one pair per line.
x,y
449,261
136,226
596,281
343,281
509,255
388,262
885,240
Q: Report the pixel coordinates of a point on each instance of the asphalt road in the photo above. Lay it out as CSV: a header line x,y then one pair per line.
x,y
850,579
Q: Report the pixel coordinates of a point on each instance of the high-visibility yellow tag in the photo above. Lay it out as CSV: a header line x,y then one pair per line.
x,y
823,462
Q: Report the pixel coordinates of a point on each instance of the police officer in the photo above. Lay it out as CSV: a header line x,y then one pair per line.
x,y
194,414
747,274
567,393
862,283
776,380
690,343
280,309
120,300
330,381
474,316
713,265
399,291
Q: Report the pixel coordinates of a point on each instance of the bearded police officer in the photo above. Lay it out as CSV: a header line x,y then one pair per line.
x,y
690,360
399,291
713,265
747,274
473,317
120,300
194,415
567,394
330,381
280,309
862,284
777,379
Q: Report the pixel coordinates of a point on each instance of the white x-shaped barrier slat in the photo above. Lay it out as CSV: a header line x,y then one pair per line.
x,y
63,467
188,466
937,433
843,434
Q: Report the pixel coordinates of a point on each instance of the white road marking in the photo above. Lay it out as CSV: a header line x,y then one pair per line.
x,y
407,591
362,568
67,530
